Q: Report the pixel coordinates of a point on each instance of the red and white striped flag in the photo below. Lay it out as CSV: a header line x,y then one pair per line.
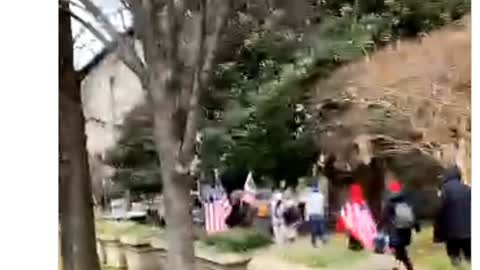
x,y
249,190
359,222
216,213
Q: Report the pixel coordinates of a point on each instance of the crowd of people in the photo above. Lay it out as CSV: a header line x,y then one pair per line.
x,y
393,231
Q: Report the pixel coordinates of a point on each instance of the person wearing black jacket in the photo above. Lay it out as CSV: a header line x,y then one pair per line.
x,y
399,236
240,215
453,222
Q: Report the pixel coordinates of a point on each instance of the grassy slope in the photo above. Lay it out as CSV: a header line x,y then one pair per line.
x,y
430,255
330,256
424,253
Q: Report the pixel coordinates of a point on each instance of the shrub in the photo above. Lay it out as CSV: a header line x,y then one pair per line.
x,y
238,240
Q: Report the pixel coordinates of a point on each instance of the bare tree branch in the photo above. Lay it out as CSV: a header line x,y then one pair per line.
x,y
122,18
207,48
91,28
175,11
127,49
98,15
190,98
125,4
147,23
72,3
211,46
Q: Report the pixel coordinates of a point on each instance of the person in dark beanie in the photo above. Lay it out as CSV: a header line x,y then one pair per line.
x,y
453,222
398,220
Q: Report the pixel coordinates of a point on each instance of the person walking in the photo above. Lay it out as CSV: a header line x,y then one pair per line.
x,y
291,218
356,219
453,222
276,216
398,220
315,214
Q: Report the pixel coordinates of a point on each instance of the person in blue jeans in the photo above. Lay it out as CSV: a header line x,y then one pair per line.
x,y
315,212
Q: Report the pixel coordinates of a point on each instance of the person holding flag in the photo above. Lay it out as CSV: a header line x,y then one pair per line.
x,y
357,221
249,190
217,210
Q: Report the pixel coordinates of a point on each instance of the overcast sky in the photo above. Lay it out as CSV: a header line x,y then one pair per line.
x,y
86,45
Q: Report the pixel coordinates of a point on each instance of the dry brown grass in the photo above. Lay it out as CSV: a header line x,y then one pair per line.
x,y
429,82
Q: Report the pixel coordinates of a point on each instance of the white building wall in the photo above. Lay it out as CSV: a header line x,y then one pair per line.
x,y
110,74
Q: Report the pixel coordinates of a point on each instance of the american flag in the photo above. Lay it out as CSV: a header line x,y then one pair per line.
x,y
216,213
249,190
359,222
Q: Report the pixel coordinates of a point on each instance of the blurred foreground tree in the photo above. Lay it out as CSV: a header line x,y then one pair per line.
x,y
78,244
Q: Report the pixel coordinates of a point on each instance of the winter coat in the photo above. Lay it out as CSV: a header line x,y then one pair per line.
x,y
454,216
397,237
240,215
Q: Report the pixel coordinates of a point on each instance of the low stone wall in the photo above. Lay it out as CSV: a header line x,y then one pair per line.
x,y
208,258
207,264
144,248
114,254
151,254
145,258
101,253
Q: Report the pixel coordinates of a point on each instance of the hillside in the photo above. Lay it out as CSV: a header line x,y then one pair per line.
x,y
414,98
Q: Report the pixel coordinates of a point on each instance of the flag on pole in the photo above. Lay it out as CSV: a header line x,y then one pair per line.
x,y
358,221
216,212
249,190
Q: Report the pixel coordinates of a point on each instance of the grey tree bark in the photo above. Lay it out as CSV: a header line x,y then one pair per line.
x,y
76,212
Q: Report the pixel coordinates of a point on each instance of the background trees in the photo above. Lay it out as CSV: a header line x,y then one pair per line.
x,y
240,72
255,113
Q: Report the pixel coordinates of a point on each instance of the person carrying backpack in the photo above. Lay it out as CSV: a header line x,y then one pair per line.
x,y
291,219
398,220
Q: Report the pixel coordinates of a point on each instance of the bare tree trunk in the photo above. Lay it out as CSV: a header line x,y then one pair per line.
x,y
176,183
65,239
179,220
76,220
